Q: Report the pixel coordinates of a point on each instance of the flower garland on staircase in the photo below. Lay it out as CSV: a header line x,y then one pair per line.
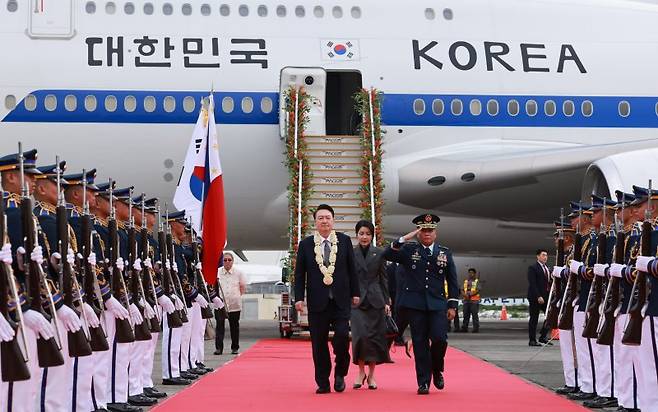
x,y
292,163
362,99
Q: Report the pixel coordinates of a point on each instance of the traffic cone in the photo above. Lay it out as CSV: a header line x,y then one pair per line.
x,y
503,313
555,334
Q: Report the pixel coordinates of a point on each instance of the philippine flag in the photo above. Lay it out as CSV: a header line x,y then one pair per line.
x,y
200,191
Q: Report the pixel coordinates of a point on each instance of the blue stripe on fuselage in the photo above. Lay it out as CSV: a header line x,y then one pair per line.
x,y
397,110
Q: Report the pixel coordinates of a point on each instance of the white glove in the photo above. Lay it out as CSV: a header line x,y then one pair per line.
x,y
167,304
92,259
201,301
599,269
642,263
147,263
119,264
574,266
37,255
92,319
6,331
174,267
615,269
116,308
20,250
69,318
149,313
557,271
135,315
70,257
39,325
177,303
5,254
199,266
167,264
138,264
217,303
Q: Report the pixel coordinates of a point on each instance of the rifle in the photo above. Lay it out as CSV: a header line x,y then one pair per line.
x,y
592,310
124,330
78,341
173,319
606,330
565,318
13,359
147,278
553,308
207,312
90,281
636,307
178,288
49,351
142,330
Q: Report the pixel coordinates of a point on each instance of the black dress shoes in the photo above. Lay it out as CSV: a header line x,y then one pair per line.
x,y
197,371
123,407
339,383
565,390
581,396
202,366
437,377
423,389
545,342
601,402
622,409
188,376
176,381
218,352
154,393
234,352
326,389
141,400
534,343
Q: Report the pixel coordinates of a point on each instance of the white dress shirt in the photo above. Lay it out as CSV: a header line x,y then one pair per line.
x,y
231,281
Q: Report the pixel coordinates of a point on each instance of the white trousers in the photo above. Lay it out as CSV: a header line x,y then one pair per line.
x,y
603,359
22,396
102,366
647,373
117,382
186,337
57,383
171,340
584,350
196,338
201,347
139,351
626,364
147,361
567,352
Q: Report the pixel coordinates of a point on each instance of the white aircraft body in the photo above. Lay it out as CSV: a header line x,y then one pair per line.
x,y
497,113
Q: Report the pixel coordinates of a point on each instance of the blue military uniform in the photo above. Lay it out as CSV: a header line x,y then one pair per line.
x,y
423,301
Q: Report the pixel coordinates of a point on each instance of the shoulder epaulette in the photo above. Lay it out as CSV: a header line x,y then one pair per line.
x,y
44,209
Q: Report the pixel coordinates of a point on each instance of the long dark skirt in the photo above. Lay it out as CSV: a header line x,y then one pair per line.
x,y
369,343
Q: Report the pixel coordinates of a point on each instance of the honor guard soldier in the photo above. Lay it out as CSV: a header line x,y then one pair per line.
x,y
646,299
626,357
426,265
567,343
56,381
583,268
18,185
602,215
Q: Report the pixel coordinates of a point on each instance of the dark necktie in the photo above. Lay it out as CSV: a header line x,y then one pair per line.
x,y
327,252
428,252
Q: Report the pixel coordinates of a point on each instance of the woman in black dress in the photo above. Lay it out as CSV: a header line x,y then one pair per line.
x,y
369,343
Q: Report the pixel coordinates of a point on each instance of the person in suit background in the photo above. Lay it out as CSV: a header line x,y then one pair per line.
x,y
326,277
369,345
538,277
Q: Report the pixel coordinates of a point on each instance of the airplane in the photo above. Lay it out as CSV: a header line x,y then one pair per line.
x,y
496,112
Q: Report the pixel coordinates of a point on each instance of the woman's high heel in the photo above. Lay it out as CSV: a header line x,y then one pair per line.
x,y
408,346
371,385
363,382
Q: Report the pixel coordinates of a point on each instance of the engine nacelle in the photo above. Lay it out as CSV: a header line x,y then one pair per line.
x,y
620,172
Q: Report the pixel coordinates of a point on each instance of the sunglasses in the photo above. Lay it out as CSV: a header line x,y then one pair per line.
x,y
228,260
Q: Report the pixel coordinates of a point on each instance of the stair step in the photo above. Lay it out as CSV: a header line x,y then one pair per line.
x,y
336,180
334,189
351,203
337,146
335,140
353,173
333,195
331,161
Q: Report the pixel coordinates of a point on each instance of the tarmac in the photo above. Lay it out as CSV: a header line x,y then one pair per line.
x,y
502,343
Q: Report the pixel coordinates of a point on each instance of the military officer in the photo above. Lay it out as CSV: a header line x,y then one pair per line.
x,y
426,265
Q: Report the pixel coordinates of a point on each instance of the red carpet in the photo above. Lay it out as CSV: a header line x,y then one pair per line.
x,y
277,375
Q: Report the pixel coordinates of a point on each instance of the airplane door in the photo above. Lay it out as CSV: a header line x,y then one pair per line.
x,y
51,19
314,80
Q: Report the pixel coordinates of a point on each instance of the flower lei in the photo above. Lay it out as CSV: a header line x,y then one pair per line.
x,y
327,271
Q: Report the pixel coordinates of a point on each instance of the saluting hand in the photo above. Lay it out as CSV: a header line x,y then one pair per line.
x,y
410,235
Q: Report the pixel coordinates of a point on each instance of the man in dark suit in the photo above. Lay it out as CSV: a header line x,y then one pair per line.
x,y
426,266
538,277
326,275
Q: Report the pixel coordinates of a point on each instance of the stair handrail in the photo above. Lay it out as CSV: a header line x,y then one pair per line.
x,y
372,185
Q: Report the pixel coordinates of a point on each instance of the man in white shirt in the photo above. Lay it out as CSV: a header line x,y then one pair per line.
x,y
233,284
